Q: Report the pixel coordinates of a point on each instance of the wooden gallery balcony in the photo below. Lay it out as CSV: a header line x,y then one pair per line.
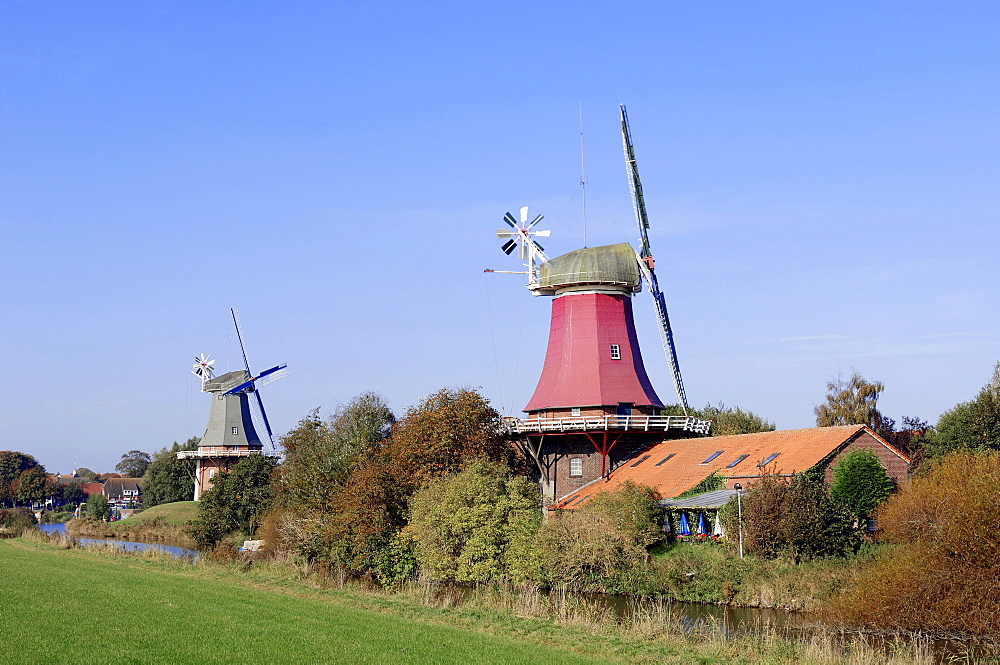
x,y
606,423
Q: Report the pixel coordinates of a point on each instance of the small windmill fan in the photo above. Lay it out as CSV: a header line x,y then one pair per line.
x,y
522,237
203,368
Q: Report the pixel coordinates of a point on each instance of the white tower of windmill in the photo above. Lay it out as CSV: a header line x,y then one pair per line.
x,y
237,423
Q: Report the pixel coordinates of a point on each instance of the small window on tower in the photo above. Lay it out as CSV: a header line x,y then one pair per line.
x,y
236,430
211,473
575,411
616,352
576,467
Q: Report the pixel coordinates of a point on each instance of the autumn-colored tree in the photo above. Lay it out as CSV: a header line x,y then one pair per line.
x,y
434,438
320,455
851,402
602,545
944,567
794,518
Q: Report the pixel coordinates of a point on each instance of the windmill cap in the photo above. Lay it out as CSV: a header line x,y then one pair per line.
x,y
608,265
228,381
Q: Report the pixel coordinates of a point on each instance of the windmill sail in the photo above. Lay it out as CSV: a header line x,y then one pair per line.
x,y
646,261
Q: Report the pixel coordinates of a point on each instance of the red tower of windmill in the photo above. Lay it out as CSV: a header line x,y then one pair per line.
x,y
594,406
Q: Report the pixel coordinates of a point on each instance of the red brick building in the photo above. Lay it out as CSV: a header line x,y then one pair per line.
x,y
675,466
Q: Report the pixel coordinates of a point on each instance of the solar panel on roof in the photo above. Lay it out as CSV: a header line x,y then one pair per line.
x,y
736,461
770,458
665,459
639,461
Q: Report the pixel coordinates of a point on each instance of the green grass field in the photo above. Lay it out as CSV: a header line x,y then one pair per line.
x,y
180,512
68,606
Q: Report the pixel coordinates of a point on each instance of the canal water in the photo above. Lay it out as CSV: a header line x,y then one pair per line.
x,y
180,552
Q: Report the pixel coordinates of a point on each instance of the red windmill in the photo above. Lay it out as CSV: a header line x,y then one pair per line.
x,y
594,406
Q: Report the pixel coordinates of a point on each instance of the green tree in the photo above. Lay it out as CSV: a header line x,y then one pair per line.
x,y
31,485
851,402
12,465
726,420
973,425
860,483
168,479
69,494
320,455
98,507
133,464
88,475
476,525
237,501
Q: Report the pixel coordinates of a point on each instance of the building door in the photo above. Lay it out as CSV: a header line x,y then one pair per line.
x,y
624,411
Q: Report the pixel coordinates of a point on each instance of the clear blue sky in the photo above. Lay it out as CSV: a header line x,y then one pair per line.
x,y
822,184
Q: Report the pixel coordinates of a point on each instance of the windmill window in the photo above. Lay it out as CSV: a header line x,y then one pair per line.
x,y
768,460
616,352
713,456
665,459
736,461
576,467
211,473
236,430
575,412
220,396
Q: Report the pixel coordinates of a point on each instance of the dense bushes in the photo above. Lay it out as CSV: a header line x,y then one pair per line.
x,y
237,501
476,525
942,573
15,521
604,545
797,519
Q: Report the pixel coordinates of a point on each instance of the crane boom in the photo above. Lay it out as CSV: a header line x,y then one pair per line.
x,y
646,261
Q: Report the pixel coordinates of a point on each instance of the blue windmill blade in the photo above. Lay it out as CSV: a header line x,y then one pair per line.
x,y
266,372
511,222
259,404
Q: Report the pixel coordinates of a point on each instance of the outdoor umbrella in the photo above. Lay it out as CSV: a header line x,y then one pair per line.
x,y
684,530
702,525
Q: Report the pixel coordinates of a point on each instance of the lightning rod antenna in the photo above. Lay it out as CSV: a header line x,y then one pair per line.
x,y
583,178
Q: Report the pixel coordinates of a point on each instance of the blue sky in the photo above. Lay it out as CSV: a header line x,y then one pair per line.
x,y
821,183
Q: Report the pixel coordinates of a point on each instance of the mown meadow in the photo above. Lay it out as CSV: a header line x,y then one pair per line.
x,y
155,609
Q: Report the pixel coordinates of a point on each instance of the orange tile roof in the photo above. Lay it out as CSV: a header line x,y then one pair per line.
x,y
798,450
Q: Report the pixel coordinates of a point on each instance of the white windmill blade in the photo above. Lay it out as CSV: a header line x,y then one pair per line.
x,y
541,234
505,233
280,374
524,214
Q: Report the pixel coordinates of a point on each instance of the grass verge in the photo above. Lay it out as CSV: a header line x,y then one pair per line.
x,y
156,609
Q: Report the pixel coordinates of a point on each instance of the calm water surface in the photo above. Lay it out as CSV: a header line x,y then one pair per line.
x,y
124,544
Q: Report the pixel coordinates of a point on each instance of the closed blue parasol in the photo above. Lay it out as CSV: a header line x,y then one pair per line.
x,y
702,525
684,529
